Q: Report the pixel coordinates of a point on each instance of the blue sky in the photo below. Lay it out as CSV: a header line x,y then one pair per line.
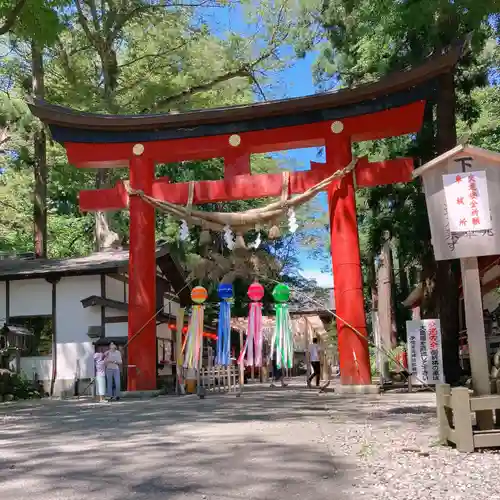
x,y
295,81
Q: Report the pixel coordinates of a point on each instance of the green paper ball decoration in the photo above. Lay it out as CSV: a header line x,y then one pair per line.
x,y
281,293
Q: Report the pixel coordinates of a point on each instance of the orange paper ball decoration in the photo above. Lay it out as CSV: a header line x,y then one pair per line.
x,y
255,291
199,295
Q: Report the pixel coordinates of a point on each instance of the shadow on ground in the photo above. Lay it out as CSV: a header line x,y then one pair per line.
x,y
265,444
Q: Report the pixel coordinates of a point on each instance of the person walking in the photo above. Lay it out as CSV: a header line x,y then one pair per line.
x,y
277,372
113,364
315,362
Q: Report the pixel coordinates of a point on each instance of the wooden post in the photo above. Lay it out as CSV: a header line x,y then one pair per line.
x,y
199,368
308,341
476,336
497,412
178,348
242,369
442,391
460,401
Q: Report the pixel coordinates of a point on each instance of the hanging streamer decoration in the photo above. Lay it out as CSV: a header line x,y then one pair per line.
x,y
253,344
229,237
184,231
282,340
292,221
256,244
225,292
194,337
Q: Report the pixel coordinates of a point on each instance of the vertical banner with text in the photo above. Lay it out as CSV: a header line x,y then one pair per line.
x,y
425,359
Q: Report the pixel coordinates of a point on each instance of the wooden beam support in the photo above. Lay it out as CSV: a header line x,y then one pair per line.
x,y
476,336
115,319
245,187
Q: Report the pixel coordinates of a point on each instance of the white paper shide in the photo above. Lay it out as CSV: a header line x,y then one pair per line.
x,y
467,201
425,359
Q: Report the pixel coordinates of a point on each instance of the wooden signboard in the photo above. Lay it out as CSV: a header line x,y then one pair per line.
x,y
462,190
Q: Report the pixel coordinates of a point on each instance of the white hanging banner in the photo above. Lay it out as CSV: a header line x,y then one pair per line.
x,y
467,201
425,359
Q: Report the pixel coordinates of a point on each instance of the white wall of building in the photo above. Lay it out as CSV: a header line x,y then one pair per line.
x,y
170,307
30,298
116,289
41,365
74,347
163,331
116,329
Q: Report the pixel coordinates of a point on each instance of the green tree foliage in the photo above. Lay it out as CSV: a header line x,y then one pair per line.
x,y
129,57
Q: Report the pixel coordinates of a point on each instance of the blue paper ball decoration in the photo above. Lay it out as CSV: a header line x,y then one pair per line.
x,y
225,291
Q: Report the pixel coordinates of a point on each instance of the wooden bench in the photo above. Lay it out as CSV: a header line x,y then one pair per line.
x,y
457,411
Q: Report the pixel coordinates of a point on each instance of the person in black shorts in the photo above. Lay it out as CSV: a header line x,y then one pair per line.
x,y
277,373
315,362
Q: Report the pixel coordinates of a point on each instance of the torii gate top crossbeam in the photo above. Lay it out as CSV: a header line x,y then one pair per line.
x,y
94,140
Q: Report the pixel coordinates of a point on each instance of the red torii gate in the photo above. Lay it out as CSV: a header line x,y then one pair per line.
x,y
390,107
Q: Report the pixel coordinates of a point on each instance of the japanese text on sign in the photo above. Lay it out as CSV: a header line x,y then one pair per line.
x,y
466,195
424,351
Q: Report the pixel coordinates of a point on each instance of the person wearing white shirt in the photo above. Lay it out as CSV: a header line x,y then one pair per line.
x,y
315,362
113,360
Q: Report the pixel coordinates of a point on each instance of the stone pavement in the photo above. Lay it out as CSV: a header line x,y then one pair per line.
x,y
279,444
263,445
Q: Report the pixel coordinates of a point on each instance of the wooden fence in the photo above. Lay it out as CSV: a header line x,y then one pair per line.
x,y
220,378
460,414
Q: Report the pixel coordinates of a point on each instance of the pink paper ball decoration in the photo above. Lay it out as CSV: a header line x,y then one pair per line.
x,y
256,292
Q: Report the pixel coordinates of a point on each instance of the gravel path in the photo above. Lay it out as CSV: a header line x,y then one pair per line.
x,y
392,440
266,445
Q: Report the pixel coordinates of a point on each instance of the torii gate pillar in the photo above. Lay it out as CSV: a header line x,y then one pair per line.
x,y
142,360
346,264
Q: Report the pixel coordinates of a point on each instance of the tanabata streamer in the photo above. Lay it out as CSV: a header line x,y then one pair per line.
x,y
254,340
282,340
194,337
222,357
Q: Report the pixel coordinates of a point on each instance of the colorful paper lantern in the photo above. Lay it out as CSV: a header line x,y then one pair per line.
x,y
281,293
252,350
199,295
255,292
225,291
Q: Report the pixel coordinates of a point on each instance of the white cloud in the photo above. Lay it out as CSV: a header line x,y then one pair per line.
x,y
324,280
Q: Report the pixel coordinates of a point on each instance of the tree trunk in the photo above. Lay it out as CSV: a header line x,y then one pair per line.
x,y
448,272
105,237
40,159
385,307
